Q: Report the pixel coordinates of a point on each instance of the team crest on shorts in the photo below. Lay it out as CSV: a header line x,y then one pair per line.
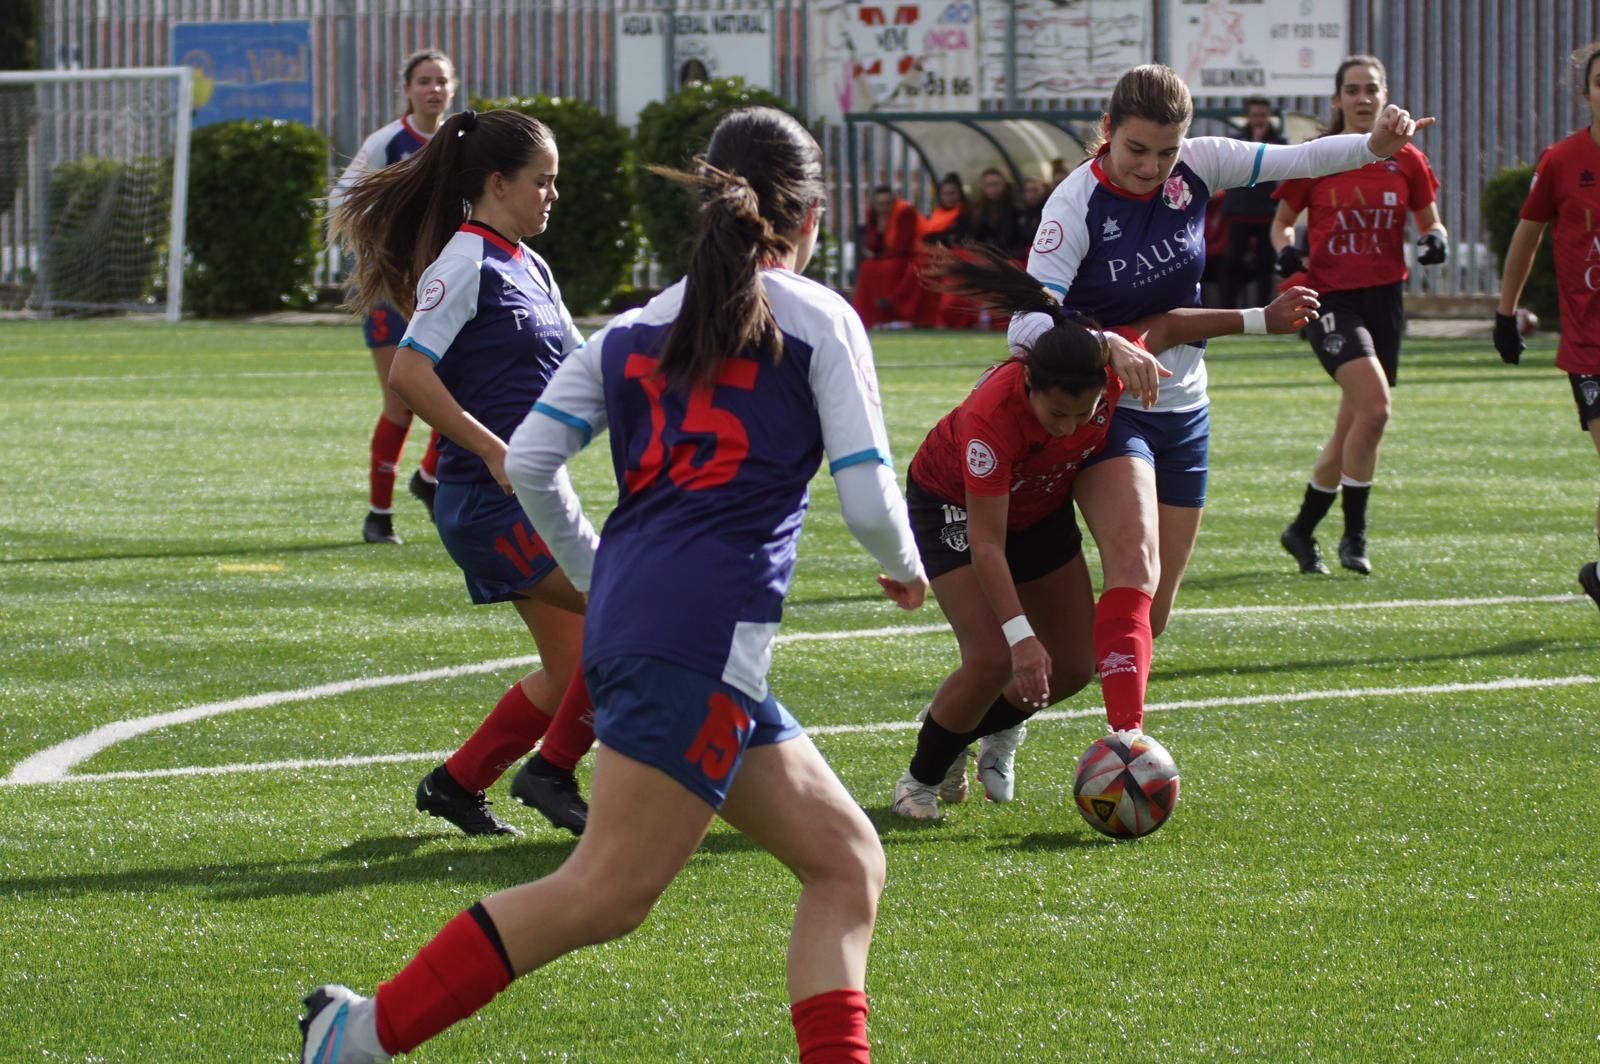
x,y
1590,390
954,537
1175,193
1333,343
980,458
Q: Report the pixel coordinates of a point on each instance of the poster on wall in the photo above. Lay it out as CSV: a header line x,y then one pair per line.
x,y
893,57
732,40
1241,47
1065,47
247,69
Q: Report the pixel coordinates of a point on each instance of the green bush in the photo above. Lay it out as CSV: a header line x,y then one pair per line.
x,y
1502,200
108,229
592,237
671,132
19,50
255,211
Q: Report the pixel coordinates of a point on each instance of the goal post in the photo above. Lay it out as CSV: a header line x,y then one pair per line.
x,y
94,179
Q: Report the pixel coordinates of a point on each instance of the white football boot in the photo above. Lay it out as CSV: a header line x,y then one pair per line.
x,y
915,800
997,755
340,1027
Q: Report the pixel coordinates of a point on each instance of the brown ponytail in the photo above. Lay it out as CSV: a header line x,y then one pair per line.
x,y
397,220
1069,356
760,177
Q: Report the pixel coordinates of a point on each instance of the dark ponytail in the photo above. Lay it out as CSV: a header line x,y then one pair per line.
x,y
397,220
758,180
1070,356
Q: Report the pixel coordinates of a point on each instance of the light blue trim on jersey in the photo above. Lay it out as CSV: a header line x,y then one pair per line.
x,y
570,420
859,458
1057,289
412,343
1255,171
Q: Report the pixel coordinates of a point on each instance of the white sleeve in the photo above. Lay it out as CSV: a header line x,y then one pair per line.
x,y
447,298
359,167
845,385
875,513
1224,162
570,413
1058,250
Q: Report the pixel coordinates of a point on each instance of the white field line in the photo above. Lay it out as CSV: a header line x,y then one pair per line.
x,y
1509,683
53,764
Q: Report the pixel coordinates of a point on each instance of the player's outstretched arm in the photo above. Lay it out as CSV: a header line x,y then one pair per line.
x,y
413,379
1293,308
875,513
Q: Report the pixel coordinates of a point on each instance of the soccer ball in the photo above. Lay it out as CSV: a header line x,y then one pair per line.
x,y
1126,789
1527,321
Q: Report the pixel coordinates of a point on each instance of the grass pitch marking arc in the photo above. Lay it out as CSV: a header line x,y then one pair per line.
x,y
54,765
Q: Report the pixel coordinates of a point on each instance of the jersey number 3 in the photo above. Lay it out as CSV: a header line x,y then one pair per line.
x,y
730,443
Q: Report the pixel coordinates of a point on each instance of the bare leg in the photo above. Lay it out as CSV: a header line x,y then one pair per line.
x,y
1180,527
965,694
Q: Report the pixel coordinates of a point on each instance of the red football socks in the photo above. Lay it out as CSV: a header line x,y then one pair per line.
x,y
453,976
832,1028
430,457
1122,649
511,729
572,731
387,440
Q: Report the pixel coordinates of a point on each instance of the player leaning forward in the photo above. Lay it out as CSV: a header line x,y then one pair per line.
x,y
721,397
1122,238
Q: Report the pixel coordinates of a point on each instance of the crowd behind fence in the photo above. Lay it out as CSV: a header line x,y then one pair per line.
x,y
1492,71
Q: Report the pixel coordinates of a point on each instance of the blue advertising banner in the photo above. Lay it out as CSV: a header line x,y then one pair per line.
x,y
247,69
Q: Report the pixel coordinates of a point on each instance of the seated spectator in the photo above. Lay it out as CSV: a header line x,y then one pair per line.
x,y
1247,214
994,222
886,283
950,223
1034,194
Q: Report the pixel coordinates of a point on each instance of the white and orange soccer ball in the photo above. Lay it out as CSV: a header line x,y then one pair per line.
x,y
1126,787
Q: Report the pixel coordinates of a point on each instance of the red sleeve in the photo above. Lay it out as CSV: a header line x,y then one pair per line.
x,y
1540,206
1296,192
989,444
1422,184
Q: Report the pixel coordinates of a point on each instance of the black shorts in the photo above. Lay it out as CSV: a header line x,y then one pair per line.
x,y
940,529
1586,392
1362,323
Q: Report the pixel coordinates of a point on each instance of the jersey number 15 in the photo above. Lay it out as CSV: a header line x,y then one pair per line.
x,y
730,443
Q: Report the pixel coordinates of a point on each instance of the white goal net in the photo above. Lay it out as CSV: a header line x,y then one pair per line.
x,y
94,169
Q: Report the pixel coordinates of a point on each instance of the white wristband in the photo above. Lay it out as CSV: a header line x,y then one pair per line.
x,y
1255,321
1017,629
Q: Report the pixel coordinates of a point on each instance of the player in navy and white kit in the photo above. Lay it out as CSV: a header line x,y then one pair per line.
x,y
1356,223
429,83
487,332
1123,237
722,396
990,494
1566,192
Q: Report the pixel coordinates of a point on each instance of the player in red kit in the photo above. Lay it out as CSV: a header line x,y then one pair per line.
x,y
1357,235
990,494
1566,191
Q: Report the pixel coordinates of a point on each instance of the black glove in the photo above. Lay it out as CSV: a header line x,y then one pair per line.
x,y
1508,338
1431,249
1290,261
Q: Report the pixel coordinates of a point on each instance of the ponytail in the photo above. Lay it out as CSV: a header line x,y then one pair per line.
x,y
758,181
1071,356
398,219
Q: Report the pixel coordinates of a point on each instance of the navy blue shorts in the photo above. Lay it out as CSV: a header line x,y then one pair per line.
x,y
383,326
1176,444
489,537
691,726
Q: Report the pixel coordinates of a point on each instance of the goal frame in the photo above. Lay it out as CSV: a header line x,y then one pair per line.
x,y
184,76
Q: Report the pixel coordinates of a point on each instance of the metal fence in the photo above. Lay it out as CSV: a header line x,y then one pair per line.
x,y
1493,71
